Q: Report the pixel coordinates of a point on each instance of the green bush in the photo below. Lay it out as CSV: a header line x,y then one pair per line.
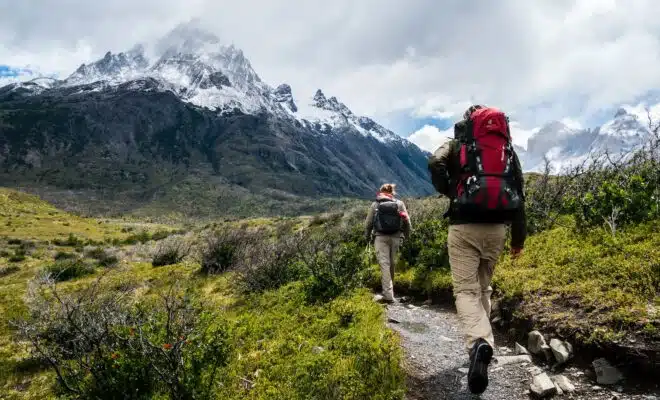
x,y
68,269
223,250
71,241
170,252
61,255
8,270
101,346
18,256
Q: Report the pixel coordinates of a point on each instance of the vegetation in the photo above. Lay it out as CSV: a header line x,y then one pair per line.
x,y
280,308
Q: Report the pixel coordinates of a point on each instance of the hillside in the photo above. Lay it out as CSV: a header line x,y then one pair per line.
x,y
196,125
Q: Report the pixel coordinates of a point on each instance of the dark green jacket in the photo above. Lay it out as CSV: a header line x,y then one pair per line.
x,y
444,167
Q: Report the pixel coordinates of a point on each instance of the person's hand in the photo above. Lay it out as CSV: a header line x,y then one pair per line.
x,y
516,252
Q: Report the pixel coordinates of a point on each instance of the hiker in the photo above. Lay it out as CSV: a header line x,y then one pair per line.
x,y
480,173
389,222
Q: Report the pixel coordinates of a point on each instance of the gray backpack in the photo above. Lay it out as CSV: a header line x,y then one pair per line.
x,y
387,219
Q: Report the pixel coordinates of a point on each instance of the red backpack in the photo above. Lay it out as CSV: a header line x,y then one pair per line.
x,y
487,177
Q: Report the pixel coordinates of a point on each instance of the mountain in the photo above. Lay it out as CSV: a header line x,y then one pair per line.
x,y
186,124
565,145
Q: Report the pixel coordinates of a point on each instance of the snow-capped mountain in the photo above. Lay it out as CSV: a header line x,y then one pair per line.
x,y
189,108
198,68
565,146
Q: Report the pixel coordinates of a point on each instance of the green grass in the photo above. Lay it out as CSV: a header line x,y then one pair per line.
x,y
597,286
283,347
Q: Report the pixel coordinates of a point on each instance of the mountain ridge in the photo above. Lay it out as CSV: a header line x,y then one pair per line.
x,y
129,123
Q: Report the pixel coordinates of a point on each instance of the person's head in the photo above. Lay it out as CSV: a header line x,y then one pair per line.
x,y
471,109
388,188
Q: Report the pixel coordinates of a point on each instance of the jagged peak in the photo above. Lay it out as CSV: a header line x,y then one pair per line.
x,y
620,112
319,96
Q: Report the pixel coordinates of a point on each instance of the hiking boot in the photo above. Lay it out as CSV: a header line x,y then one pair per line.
x,y
480,357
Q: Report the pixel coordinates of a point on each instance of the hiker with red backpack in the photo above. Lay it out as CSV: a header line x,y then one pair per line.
x,y
389,222
479,171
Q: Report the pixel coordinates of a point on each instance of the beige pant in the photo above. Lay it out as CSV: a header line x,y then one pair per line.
x,y
473,252
387,249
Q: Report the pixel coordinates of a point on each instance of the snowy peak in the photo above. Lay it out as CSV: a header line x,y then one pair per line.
x,y
112,67
624,125
283,95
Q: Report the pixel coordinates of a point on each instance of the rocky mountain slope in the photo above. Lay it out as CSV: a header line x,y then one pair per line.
x,y
188,120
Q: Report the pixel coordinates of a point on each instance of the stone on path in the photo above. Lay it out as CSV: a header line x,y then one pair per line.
x,y
564,383
378,298
536,342
520,349
507,360
606,374
561,350
542,386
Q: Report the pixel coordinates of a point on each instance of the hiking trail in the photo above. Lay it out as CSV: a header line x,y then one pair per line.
x,y
437,363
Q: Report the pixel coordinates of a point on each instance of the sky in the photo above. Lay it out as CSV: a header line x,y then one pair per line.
x,y
414,66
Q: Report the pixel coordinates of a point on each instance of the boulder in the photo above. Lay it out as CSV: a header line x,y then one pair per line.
x,y
542,386
521,350
561,351
564,383
606,374
536,342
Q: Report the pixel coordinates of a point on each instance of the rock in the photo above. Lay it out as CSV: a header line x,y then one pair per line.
x,y
318,350
378,298
428,302
564,383
542,386
393,321
534,370
559,391
520,349
596,388
463,370
535,342
547,351
496,320
606,374
507,360
411,307
560,350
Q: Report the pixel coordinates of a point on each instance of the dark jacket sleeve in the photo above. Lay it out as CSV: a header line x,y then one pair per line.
x,y
438,166
369,222
519,224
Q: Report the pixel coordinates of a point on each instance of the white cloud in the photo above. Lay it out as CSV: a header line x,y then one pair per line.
x,y
429,137
539,60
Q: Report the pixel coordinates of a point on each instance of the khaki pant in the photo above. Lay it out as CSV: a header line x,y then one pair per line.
x,y
473,252
387,249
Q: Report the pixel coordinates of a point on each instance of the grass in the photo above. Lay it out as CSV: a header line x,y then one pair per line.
x,y
283,347
597,286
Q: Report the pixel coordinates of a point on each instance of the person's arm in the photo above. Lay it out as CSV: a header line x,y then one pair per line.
x,y
439,167
407,224
369,223
519,224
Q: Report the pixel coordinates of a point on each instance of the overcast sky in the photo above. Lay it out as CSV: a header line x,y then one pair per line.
x,y
410,64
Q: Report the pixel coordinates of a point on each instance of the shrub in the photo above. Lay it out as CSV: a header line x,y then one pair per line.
x,y
100,346
68,269
103,257
333,267
270,264
142,237
4,254
8,270
71,241
14,241
170,252
223,250
62,255
18,256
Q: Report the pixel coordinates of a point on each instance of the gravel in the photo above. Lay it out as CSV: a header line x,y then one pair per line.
x,y
437,362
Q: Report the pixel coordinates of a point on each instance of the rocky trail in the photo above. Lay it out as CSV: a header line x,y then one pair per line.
x,y
437,364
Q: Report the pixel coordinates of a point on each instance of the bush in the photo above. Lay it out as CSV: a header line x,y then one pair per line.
x,y
170,252
71,241
223,250
270,264
18,256
14,241
68,269
8,270
103,257
61,255
100,346
334,267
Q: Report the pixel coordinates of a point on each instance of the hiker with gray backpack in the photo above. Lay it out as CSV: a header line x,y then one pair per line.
x,y
481,175
389,223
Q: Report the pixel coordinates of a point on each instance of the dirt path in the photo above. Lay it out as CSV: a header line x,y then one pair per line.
x,y
437,362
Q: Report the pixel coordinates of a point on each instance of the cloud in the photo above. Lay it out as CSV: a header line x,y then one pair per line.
x,y
540,60
430,137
